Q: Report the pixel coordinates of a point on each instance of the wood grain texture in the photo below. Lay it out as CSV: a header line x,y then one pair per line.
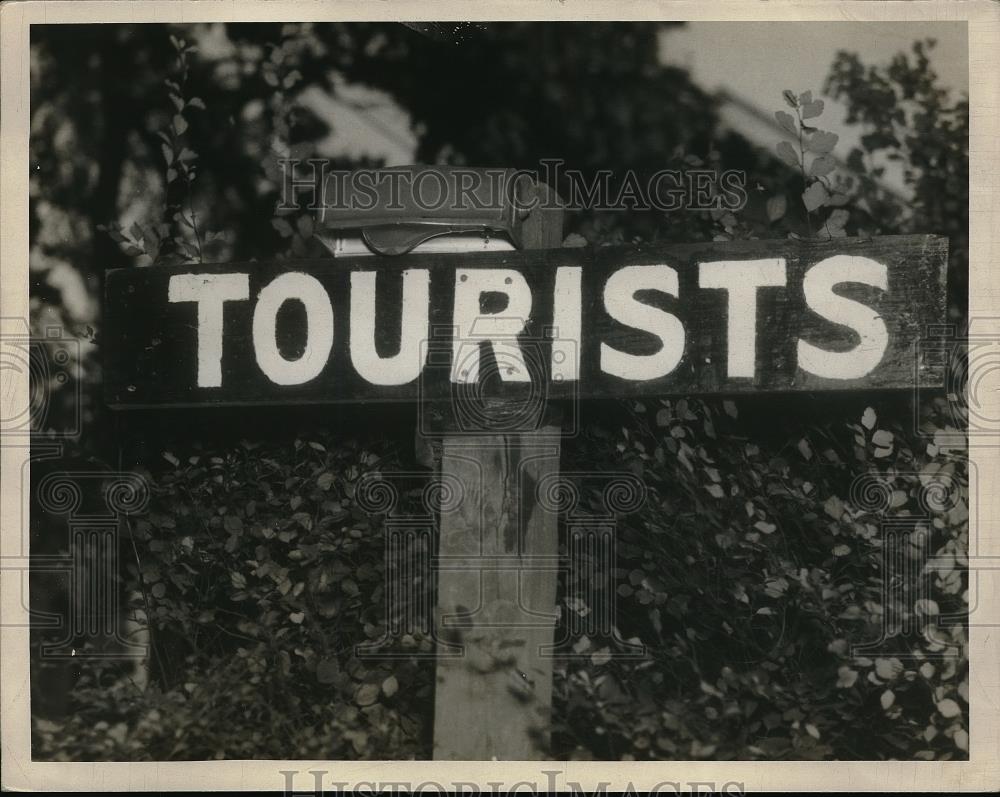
x,y
495,701
496,599
149,344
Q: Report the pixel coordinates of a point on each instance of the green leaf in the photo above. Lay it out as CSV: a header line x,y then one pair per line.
x,y
812,109
776,207
789,96
846,677
822,165
366,695
836,221
822,142
948,708
197,102
868,418
834,507
888,669
180,124
390,686
788,154
815,196
882,438
927,607
787,122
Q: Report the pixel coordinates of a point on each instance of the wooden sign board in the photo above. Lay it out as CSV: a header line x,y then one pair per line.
x,y
730,317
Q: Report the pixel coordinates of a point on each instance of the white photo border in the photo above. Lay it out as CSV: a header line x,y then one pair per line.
x,y
980,773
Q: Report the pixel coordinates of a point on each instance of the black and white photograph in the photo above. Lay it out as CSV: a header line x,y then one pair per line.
x,y
610,395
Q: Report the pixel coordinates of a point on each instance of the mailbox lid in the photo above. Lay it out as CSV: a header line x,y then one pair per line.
x,y
397,208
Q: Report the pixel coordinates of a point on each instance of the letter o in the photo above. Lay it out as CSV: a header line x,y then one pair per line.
x,y
319,328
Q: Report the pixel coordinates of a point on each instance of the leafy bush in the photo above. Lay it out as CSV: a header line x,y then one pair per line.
x,y
750,574
258,574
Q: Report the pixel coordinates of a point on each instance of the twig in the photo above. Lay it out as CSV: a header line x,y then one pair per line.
x,y
802,168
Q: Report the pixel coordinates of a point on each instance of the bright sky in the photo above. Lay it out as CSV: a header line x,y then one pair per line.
x,y
757,60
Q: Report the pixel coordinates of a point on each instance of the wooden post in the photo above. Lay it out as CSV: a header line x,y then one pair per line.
x,y
496,592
